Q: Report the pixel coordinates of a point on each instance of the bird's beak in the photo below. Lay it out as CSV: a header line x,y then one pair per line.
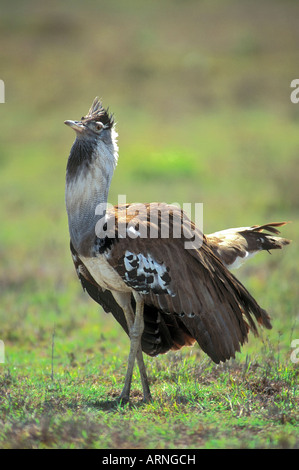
x,y
76,125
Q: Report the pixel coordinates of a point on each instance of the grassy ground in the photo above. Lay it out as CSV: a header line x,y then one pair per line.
x,y
201,97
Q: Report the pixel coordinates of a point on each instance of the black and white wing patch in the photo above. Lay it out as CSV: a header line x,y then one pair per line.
x,y
144,274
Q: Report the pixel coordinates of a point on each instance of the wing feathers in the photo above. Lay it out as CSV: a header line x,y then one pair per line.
x,y
189,294
199,286
161,332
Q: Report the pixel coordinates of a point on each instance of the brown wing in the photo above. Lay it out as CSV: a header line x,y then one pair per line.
x,y
161,332
215,307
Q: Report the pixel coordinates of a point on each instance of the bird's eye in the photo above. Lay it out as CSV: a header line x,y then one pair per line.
x,y
99,126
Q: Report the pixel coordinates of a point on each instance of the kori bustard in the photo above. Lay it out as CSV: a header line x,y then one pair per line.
x,y
163,295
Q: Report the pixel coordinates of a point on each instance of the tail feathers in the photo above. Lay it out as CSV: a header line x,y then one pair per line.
x,y
269,227
236,245
258,240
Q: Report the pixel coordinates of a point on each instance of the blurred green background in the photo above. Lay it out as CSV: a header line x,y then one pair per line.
x,y
200,91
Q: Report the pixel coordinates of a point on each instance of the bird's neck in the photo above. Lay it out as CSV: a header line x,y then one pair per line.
x,y
89,173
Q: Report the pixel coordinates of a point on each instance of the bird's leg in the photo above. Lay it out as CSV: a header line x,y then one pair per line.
x,y
125,394
135,326
144,380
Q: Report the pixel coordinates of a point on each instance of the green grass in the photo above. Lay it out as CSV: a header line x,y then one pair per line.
x,y
201,100
246,403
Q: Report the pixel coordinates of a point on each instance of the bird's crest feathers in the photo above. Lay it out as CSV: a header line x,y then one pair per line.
x,y
98,113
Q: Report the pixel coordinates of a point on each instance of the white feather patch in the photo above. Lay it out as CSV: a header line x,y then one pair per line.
x,y
239,260
145,274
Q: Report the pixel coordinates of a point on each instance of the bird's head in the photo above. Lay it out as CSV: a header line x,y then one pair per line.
x,y
95,143
94,124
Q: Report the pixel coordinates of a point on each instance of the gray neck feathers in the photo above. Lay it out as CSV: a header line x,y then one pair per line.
x,y
89,172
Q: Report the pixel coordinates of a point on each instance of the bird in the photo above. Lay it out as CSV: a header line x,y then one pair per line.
x,y
132,260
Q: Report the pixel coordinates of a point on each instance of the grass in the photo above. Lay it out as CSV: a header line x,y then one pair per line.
x,y
201,98
241,404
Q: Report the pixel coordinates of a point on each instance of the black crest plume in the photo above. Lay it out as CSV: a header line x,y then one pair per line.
x,y
98,113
